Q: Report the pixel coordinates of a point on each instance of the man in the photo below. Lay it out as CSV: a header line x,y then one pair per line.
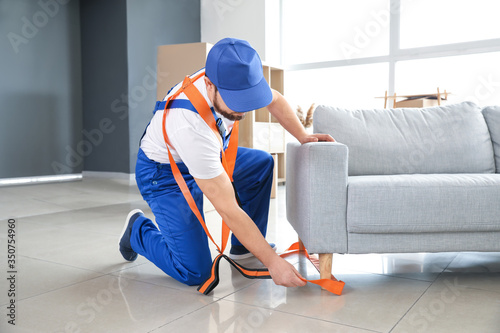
x,y
232,83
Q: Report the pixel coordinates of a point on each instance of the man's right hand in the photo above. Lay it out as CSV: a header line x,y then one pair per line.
x,y
284,274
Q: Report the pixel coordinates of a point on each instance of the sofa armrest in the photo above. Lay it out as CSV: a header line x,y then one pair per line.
x,y
316,194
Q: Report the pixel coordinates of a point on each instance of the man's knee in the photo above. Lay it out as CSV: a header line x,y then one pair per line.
x,y
197,278
263,159
194,281
269,159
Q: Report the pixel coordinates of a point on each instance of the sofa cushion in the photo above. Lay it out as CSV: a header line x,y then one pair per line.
x,y
492,116
445,139
423,203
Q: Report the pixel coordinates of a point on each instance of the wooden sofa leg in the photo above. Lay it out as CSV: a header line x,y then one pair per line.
x,y
325,265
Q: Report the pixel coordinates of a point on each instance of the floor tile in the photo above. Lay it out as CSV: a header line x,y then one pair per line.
x,y
105,219
476,270
36,277
382,300
476,262
226,316
105,304
73,247
450,306
39,199
230,279
17,206
419,266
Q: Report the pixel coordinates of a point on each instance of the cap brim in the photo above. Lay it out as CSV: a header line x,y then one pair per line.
x,y
249,99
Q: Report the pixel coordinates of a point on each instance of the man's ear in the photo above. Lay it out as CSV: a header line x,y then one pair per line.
x,y
210,89
209,84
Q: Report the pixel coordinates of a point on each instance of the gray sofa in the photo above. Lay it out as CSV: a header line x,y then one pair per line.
x,y
396,181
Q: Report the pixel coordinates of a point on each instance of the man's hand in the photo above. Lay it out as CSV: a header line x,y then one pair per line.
x,y
316,138
284,274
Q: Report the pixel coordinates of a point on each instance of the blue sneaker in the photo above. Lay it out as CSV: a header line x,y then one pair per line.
x,y
125,247
239,252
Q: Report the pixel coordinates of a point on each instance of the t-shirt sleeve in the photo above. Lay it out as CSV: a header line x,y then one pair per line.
x,y
197,146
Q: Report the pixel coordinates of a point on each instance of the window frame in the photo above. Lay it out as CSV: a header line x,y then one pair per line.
x,y
396,53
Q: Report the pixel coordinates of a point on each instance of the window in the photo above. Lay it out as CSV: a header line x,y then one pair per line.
x,y
473,77
346,86
347,52
323,30
436,22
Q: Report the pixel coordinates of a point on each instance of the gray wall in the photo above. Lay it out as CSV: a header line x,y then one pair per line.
x,y
119,46
78,80
40,88
150,24
105,79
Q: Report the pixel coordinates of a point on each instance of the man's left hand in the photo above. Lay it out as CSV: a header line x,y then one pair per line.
x,y
316,138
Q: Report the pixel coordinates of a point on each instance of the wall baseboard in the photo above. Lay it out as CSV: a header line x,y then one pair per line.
x,y
40,179
128,177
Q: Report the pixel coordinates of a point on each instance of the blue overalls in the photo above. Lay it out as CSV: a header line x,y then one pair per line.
x,y
179,247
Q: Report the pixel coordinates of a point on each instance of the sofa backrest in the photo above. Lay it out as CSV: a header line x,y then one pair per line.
x,y
492,116
445,139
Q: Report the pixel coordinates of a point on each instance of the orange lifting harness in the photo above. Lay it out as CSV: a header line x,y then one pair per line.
x,y
203,109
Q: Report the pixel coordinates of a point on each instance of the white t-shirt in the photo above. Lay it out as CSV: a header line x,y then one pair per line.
x,y
193,142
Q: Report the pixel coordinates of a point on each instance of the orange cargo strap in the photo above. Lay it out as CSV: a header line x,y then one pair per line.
x,y
203,109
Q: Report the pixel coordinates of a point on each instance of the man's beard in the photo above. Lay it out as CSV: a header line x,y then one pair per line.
x,y
233,117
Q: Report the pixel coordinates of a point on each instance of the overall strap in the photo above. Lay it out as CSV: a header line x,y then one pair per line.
x,y
203,109
174,104
187,105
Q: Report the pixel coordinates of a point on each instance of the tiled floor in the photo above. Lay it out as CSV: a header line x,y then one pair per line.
x,y
71,278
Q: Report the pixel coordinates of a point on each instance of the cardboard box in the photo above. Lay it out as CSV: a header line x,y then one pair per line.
x,y
417,103
176,61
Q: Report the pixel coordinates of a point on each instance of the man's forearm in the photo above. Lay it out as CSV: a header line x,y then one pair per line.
x,y
280,109
285,115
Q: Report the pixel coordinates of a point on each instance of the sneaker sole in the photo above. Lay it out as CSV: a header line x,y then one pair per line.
x,y
246,255
132,213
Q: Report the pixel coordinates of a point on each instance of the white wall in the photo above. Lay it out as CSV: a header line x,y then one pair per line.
x,y
273,32
244,19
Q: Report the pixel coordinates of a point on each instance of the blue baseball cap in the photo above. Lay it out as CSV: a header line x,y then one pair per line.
x,y
235,68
